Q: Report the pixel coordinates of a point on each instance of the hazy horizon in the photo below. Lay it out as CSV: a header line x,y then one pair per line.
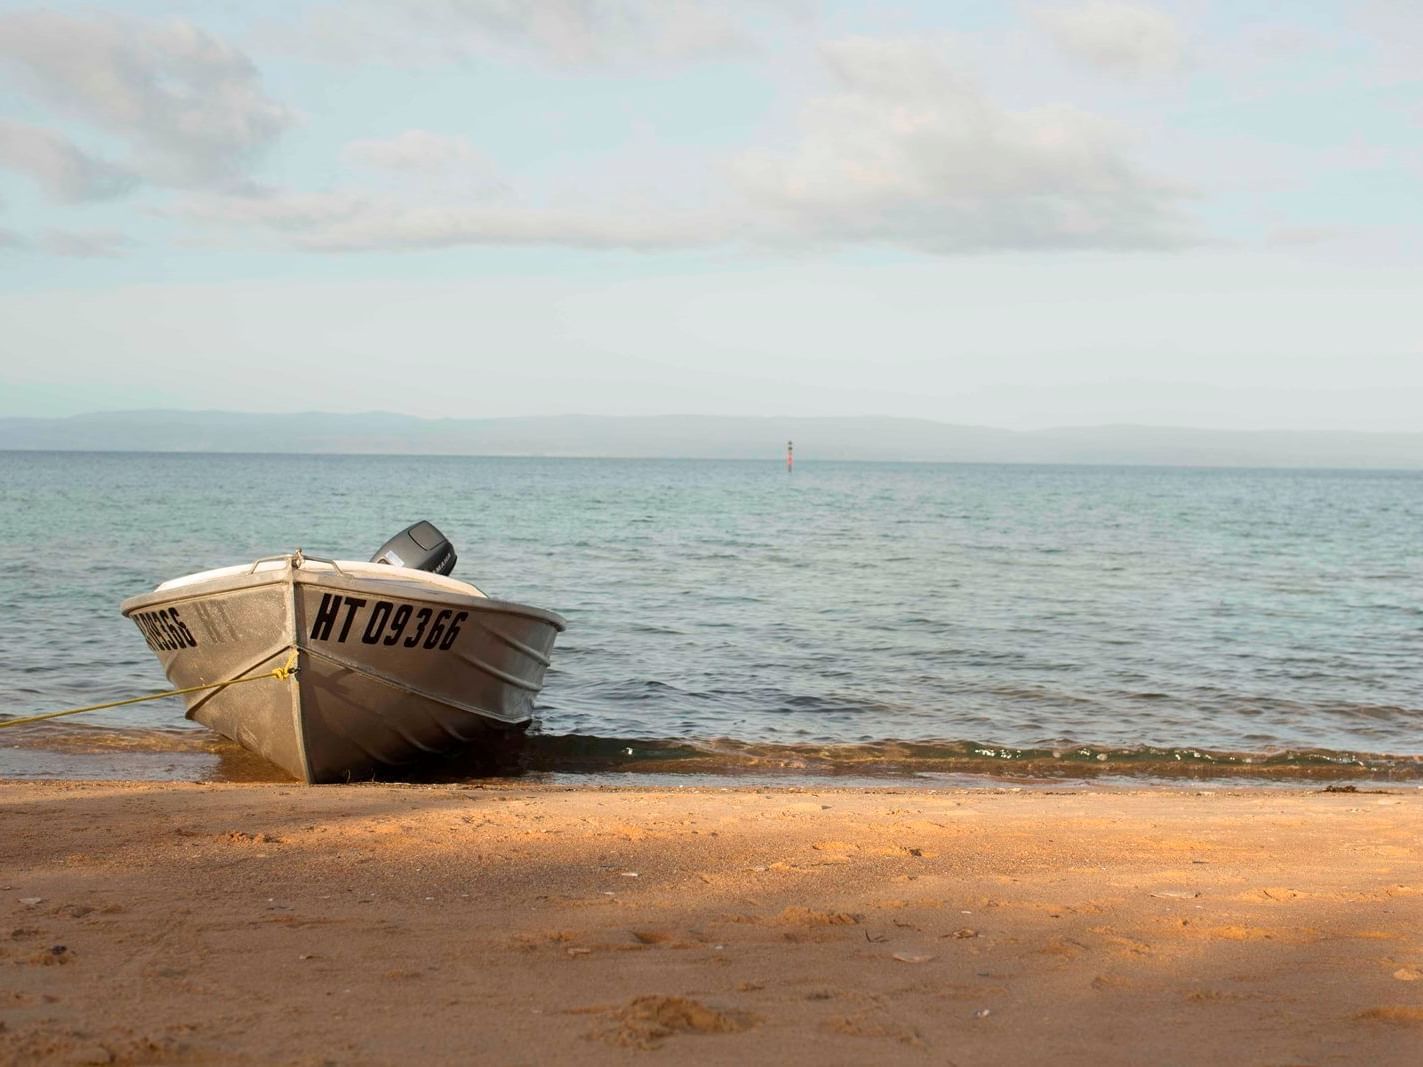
x,y
1019,409
707,416
705,437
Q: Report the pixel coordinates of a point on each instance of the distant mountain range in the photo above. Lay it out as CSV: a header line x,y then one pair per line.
x,y
704,436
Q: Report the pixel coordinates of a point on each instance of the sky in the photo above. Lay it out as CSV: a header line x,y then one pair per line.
x,y
1007,213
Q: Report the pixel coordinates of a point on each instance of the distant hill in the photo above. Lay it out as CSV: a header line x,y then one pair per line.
x,y
703,436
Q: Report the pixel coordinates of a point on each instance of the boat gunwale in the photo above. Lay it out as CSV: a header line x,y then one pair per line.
x,y
335,580
232,583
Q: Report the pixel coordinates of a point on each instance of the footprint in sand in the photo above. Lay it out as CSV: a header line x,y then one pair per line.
x,y
647,1022
656,937
875,1024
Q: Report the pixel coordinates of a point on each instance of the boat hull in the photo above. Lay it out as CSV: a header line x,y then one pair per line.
x,y
392,668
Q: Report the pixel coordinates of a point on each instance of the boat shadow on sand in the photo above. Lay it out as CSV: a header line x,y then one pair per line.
x,y
501,758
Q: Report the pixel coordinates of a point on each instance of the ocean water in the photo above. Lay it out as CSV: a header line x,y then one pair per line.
x,y
910,620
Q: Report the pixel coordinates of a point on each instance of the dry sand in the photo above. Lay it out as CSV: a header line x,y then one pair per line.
x,y
511,924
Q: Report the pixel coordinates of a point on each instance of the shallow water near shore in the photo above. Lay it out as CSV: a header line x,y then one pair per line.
x,y
850,620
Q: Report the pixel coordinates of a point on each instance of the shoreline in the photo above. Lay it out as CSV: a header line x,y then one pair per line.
x,y
90,752
516,923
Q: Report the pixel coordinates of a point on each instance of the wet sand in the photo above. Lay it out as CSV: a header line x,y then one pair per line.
x,y
517,924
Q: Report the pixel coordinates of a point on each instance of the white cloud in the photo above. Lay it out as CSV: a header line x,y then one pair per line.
x,y
75,244
1295,236
906,152
910,153
191,108
417,151
569,33
1132,40
82,244
61,169
345,221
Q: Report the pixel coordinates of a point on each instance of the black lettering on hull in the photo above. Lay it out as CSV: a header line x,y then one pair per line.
x,y
385,623
164,630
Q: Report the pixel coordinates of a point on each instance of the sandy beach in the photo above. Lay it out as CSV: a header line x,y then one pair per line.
x,y
518,924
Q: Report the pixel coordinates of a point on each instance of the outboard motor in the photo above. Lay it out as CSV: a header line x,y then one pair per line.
x,y
421,547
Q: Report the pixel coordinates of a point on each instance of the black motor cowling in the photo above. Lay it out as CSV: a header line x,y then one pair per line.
x,y
421,547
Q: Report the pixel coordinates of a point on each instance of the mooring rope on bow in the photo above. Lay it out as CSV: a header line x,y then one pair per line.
x,y
281,674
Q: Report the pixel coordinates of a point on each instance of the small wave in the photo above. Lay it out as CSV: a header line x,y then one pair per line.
x,y
924,762
83,738
584,753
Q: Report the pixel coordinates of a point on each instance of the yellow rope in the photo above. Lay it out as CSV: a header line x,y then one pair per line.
x,y
281,674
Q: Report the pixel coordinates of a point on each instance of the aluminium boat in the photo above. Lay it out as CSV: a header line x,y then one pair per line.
x,y
349,669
